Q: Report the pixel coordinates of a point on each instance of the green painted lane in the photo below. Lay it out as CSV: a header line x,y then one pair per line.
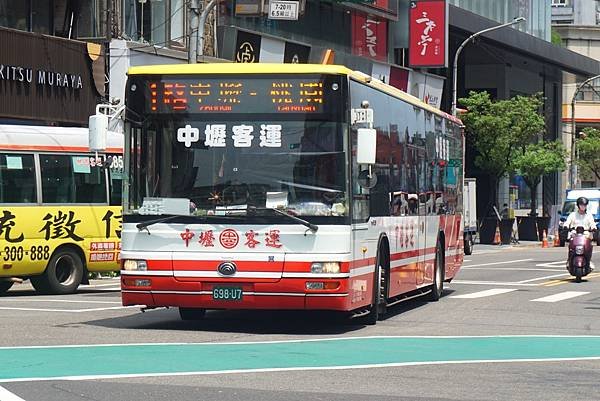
x,y
154,359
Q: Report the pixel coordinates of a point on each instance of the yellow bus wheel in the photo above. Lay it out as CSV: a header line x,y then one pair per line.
x,y
63,273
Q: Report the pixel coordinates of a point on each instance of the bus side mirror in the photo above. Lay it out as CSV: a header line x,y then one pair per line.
x,y
366,146
98,128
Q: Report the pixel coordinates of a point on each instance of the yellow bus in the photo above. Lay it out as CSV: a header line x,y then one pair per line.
x,y
60,207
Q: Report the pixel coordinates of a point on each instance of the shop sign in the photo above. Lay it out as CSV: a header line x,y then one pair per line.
x,y
42,77
428,33
247,47
369,36
285,10
253,48
55,80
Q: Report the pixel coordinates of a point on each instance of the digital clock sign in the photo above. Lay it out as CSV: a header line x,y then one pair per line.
x,y
245,95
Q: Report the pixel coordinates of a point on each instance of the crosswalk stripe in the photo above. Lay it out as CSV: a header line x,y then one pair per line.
x,y
561,296
485,293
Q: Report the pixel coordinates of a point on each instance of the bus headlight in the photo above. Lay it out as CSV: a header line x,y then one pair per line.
x,y
325,267
130,264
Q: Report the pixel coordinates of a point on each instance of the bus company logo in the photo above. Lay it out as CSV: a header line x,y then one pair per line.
x,y
227,269
188,135
229,238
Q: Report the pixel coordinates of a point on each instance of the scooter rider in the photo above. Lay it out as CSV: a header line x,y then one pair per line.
x,y
580,217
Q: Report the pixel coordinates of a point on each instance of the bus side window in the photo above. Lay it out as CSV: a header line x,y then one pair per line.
x,y
17,178
57,179
89,180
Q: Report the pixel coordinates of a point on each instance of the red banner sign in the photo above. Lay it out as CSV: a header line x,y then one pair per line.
x,y
428,33
369,36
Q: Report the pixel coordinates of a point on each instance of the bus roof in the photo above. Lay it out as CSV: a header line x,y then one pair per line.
x,y
272,68
52,139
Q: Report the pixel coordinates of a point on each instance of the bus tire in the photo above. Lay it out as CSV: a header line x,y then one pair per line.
x,y
468,244
192,313
437,288
377,308
63,273
5,286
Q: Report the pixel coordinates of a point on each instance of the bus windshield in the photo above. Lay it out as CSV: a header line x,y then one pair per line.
x,y
232,162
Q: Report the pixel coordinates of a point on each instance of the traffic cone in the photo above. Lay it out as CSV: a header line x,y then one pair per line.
x,y
556,239
497,239
545,240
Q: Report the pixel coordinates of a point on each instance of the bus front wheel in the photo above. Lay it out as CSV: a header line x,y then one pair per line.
x,y
63,274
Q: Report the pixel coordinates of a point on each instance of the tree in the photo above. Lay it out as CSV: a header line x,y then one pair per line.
x,y
501,130
588,147
537,160
555,38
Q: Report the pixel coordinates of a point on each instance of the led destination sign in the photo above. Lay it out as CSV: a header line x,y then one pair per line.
x,y
246,95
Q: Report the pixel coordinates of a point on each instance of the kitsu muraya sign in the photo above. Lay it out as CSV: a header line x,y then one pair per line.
x,y
428,33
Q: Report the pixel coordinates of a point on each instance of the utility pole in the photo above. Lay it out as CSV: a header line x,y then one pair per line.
x,y
572,164
108,36
194,27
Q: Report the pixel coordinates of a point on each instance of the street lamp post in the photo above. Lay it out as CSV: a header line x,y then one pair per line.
x,y
572,165
462,45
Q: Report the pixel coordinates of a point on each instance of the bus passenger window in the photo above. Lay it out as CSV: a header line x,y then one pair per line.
x,y
57,179
17,178
72,179
90,180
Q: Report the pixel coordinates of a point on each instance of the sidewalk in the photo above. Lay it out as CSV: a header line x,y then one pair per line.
x,y
521,244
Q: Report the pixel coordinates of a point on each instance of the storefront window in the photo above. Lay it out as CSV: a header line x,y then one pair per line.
x,y
537,12
14,14
161,23
92,22
41,16
309,28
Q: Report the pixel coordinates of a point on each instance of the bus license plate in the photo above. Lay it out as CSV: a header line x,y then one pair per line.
x,y
227,293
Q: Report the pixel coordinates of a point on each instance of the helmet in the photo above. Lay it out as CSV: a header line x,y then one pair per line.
x,y
582,200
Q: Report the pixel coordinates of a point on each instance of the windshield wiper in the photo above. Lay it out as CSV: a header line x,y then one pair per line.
x,y
145,224
312,227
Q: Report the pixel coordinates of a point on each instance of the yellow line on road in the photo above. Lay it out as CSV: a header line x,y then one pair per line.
x,y
553,283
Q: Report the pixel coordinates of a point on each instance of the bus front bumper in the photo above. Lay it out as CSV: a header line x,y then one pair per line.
x,y
285,294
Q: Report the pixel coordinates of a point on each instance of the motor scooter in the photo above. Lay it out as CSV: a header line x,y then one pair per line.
x,y
580,254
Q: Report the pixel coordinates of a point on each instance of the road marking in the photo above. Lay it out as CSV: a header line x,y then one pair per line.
x,y
521,269
499,263
6,395
114,282
558,263
151,360
561,296
553,283
485,293
475,282
43,300
68,310
542,278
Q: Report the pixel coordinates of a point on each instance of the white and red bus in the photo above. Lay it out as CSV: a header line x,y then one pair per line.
x,y
244,190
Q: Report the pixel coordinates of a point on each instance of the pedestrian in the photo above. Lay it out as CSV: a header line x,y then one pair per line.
x,y
504,213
